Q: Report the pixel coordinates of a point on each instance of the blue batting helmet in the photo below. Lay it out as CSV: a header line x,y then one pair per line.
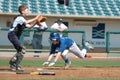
x,y
54,36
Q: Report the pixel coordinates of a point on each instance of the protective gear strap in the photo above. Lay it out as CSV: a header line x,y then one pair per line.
x,y
19,57
16,59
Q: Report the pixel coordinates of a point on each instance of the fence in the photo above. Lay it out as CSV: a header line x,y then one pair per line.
x,y
112,51
26,32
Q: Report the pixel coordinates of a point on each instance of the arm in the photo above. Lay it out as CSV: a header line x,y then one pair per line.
x,y
57,57
48,60
52,51
32,20
43,26
50,57
62,29
55,26
55,60
31,25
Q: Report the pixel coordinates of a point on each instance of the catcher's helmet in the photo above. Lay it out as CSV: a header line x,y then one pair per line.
x,y
54,36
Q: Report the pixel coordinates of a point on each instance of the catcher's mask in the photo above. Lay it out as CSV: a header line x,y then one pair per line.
x,y
54,36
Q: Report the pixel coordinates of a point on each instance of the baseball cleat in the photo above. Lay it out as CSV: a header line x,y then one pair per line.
x,y
19,68
67,65
88,56
51,64
45,63
89,45
13,67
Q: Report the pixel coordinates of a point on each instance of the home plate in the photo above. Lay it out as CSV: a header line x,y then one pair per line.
x,y
39,69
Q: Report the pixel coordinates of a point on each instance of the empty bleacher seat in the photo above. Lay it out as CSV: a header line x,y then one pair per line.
x,y
23,2
5,6
76,7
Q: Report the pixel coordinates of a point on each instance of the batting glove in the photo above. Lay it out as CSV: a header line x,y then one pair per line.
x,y
51,64
45,63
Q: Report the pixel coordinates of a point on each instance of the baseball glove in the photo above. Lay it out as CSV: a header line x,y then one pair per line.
x,y
40,19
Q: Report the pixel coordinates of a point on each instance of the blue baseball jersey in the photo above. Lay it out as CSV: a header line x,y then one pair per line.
x,y
64,43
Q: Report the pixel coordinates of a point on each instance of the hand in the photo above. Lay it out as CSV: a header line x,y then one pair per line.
x,y
45,63
38,16
40,20
51,64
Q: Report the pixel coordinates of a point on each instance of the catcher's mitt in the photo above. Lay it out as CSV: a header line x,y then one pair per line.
x,y
40,19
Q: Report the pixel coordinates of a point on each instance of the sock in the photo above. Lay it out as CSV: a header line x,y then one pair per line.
x,y
85,47
67,60
84,51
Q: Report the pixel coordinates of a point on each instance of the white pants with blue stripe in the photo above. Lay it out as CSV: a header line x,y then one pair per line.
x,y
76,51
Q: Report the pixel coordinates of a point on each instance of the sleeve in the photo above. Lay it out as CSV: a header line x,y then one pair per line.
x,y
54,26
19,20
43,27
62,46
64,26
53,48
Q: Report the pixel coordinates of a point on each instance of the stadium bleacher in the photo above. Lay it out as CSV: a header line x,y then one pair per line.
x,y
76,7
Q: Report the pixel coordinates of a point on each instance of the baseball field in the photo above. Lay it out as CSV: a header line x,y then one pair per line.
x,y
95,68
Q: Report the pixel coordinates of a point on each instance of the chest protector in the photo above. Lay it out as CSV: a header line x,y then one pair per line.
x,y
19,28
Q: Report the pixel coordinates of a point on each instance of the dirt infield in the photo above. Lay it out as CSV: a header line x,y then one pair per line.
x,y
6,74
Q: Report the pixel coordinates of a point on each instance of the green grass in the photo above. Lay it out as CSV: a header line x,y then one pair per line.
x,y
90,63
96,63
75,63
77,79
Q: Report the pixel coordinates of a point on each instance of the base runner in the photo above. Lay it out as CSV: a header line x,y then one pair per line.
x,y
64,45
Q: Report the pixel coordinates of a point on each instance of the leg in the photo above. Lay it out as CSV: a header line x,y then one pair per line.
x,y
87,46
40,41
16,43
65,58
39,44
19,57
75,50
12,62
34,43
37,41
15,61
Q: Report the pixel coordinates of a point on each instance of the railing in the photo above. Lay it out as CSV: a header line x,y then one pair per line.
x,y
108,41
48,30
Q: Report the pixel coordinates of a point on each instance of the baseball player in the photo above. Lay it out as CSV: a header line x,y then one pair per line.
x,y
64,45
37,36
59,26
17,27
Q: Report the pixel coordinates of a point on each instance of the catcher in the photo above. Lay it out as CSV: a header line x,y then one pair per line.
x,y
17,27
64,45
